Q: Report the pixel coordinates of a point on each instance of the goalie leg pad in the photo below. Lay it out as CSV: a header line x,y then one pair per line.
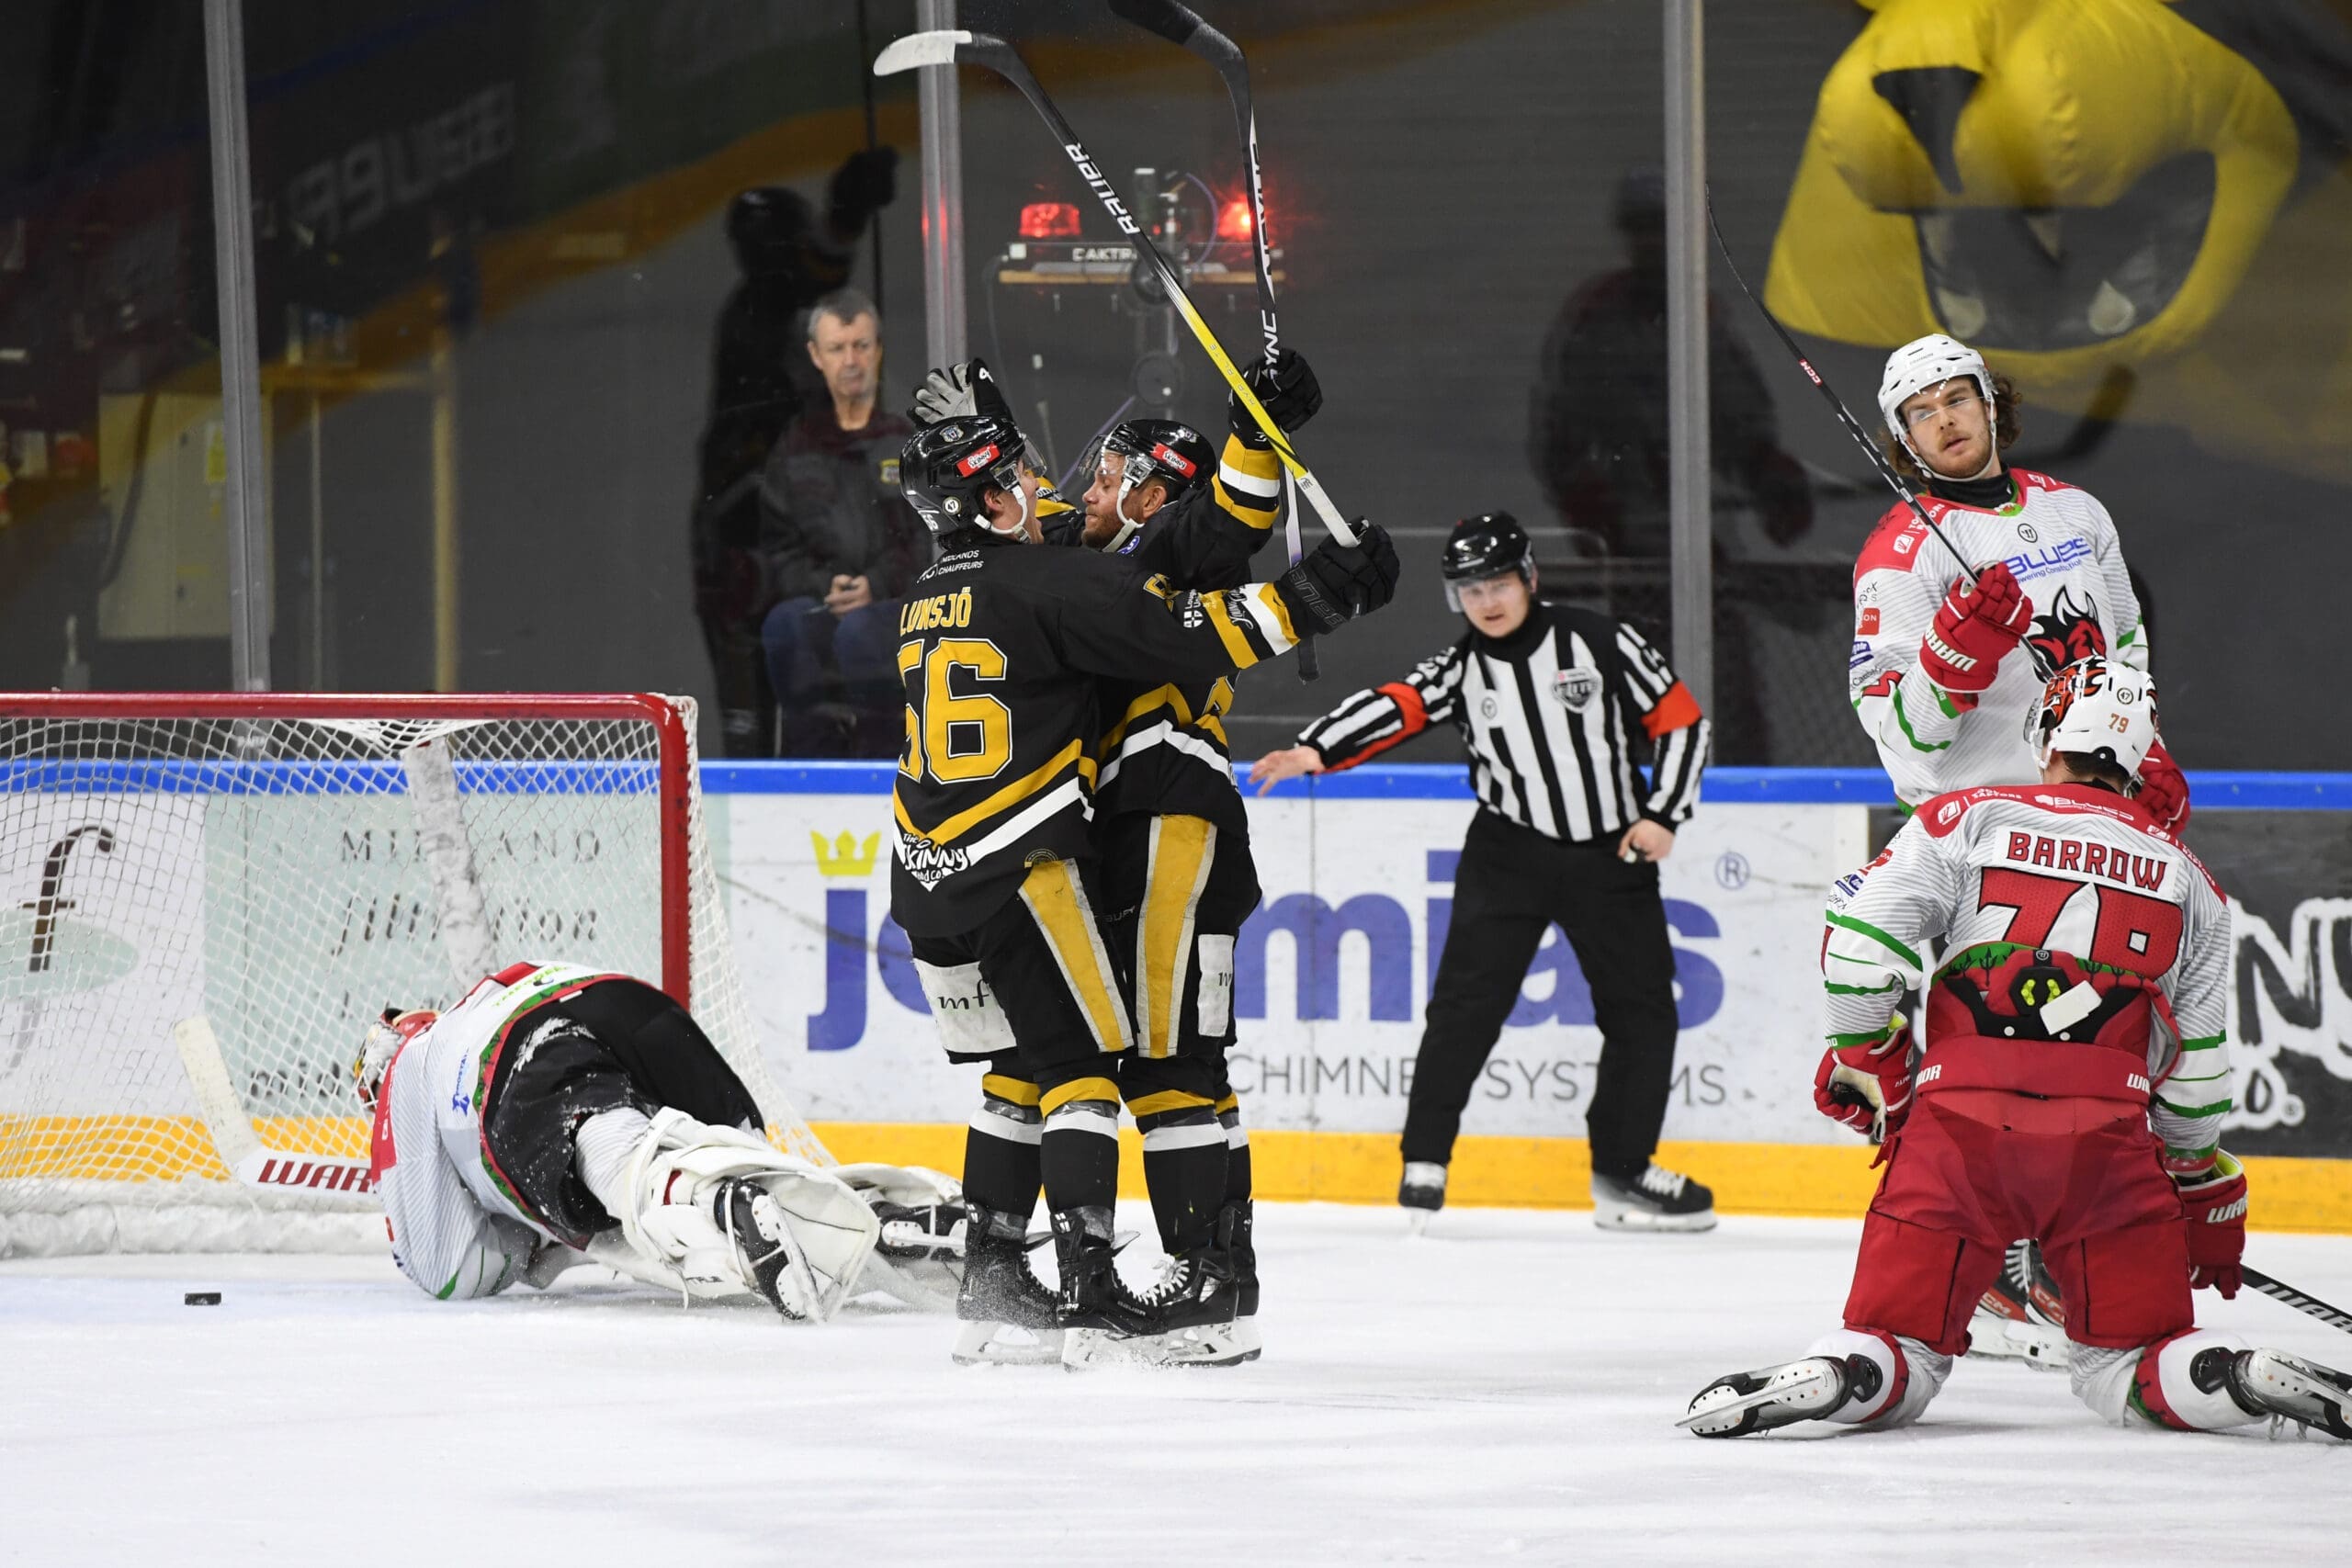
x,y
920,1253
799,1236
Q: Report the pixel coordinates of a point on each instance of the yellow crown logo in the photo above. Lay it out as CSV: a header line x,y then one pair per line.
x,y
845,856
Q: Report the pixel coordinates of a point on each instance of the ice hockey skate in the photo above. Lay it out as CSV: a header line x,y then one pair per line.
x,y
1422,1193
2022,1317
1008,1311
1657,1199
2283,1387
1742,1403
1192,1320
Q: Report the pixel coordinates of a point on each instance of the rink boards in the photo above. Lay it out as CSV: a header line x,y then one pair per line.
x,y
1332,972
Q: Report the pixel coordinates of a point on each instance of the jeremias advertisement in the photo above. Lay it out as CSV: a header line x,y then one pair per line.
x,y
1331,974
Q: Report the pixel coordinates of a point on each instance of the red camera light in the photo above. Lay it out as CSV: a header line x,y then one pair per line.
x,y
1233,221
1049,220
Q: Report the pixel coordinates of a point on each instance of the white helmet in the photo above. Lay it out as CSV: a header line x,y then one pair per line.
x,y
2102,710
1928,361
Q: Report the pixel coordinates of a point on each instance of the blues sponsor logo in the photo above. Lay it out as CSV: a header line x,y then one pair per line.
x,y
1861,655
2029,564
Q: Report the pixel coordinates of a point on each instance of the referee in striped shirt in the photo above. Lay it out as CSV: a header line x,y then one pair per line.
x,y
1552,702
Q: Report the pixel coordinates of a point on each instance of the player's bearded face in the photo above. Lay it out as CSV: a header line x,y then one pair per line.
x,y
1103,500
1951,429
1497,604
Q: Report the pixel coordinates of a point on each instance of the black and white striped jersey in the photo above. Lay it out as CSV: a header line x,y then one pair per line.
x,y
1553,716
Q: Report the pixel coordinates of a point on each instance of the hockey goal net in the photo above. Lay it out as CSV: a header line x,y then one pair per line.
x,y
283,867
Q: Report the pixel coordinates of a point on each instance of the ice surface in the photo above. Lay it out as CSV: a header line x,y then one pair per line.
x,y
1500,1389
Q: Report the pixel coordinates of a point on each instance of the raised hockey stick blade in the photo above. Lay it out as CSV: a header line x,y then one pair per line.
x,y
994,54
251,1163
1837,404
2334,1317
1181,26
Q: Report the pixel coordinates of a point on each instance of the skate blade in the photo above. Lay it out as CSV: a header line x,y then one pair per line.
x,y
1995,1337
1615,1217
1208,1345
2291,1388
1803,1382
979,1345
1416,1222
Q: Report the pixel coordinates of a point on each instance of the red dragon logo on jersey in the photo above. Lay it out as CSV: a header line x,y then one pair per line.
x,y
2070,631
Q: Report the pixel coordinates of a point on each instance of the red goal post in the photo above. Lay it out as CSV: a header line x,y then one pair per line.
x,y
281,865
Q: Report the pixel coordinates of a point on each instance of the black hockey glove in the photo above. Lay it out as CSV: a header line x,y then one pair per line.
x,y
1288,388
866,181
1333,583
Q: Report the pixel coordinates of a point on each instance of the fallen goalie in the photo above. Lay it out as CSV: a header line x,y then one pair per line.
x,y
559,1115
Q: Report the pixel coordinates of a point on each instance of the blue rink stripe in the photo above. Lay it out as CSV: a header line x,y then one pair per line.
x,y
1451,781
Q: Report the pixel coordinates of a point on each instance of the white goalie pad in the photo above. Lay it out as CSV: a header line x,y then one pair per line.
x,y
674,1180
920,1257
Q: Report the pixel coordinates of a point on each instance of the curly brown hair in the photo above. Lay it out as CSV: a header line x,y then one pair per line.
x,y
2006,423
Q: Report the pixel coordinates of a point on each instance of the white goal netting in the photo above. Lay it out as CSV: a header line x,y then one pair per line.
x,y
280,866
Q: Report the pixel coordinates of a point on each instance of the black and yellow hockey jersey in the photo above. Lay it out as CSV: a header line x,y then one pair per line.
x,y
1002,648
1163,748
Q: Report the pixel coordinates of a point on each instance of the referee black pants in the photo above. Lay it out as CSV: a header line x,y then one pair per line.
x,y
1512,883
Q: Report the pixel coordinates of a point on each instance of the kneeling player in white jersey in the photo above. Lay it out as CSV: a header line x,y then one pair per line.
x,y
2074,1084
559,1114
1944,671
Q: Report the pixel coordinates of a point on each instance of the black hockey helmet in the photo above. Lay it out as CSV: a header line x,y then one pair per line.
x,y
1486,546
944,468
1176,454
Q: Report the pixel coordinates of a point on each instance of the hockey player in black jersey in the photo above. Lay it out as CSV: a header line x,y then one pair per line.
x,y
993,874
1172,842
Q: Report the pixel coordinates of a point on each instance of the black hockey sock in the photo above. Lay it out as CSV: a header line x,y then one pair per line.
x,y
1184,1166
1237,1151
1001,1151
1078,1156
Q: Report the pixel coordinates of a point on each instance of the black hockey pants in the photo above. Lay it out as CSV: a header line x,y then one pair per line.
x,y
1511,885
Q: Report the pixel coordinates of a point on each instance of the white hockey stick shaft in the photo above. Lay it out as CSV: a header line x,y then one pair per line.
x,y
242,1150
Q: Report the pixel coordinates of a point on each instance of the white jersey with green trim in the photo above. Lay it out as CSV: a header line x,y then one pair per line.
x,y
2062,546
2072,868
454,1232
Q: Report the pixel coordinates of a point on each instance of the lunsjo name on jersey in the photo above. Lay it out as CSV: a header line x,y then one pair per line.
x,y
939,610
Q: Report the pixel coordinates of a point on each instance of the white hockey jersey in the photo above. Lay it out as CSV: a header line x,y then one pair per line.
x,y
2062,546
2036,876
456,1229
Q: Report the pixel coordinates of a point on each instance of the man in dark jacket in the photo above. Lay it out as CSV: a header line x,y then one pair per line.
x,y
839,546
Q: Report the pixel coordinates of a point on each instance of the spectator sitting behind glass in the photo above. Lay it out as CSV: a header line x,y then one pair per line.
x,y
840,545
1596,425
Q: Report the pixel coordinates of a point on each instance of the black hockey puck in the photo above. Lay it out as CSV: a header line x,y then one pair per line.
x,y
201,1298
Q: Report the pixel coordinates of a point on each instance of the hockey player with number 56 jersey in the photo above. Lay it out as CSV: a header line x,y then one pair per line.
x,y
2072,1092
1943,670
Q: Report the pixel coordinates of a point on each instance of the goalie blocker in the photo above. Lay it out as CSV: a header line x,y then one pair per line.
x,y
559,1115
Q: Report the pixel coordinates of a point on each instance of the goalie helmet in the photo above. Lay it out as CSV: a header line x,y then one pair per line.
x,y
382,1042
1176,454
2096,709
1486,546
1928,361
947,468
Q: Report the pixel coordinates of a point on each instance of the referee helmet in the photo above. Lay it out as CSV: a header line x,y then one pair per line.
x,y
1486,546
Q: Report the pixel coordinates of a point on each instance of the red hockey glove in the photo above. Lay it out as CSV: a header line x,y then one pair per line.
x,y
2164,790
1976,626
2215,1204
1867,1087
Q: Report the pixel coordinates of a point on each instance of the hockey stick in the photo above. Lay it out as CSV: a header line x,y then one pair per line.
x,y
949,48
271,1171
1181,26
1836,405
2334,1317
